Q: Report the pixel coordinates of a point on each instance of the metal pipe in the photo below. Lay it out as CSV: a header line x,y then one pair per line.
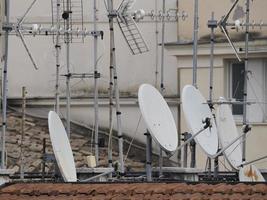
x,y
227,146
68,98
5,87
253,161
163,45
245,82
23,109
193,154
211,58
190,139
157,43
195,47
57,46
27,11
185,156
116,89
162,72
96,106
97,176
148,156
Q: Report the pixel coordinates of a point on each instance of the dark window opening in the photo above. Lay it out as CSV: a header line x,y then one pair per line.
x,y
238,70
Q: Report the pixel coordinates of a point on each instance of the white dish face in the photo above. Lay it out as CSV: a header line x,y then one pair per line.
x,y
227,132
61,147
250,173
196,110
158,117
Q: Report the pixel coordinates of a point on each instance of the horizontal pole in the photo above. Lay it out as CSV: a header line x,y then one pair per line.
x,y
253,161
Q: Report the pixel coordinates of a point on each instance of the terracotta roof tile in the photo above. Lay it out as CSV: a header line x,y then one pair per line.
x,y
138,191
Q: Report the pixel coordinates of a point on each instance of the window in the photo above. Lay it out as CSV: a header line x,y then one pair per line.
x,y
256,89
237,86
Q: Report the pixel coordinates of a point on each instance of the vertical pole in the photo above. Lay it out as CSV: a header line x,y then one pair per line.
x,y
148,157
68,68
195,43
24,92
163,44
185,150
44,159
110,162
162,72
96,106
57,46
211,57
157,43
245,81
216,167
116,89
209,168
5,86
193,153
212,24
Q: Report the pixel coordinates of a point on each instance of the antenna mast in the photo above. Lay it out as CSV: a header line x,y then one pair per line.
x,y
5,83
195,44
96,76
246,128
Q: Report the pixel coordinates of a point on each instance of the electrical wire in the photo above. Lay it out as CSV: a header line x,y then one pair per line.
x,y
135,132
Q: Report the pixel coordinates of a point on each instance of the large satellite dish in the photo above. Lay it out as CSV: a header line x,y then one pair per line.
x,y
250,173
158,117
196,110
61,147
227,132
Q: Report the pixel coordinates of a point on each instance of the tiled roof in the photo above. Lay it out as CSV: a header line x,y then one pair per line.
x,y
138,191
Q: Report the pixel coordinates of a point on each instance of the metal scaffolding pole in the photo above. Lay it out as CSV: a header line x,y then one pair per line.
x,y
96,106
245,81
162,73
5,83
115,78
195,43
157,43
23,110
57,46
67,41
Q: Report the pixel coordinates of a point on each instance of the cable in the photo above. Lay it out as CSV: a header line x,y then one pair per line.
x,y
130,145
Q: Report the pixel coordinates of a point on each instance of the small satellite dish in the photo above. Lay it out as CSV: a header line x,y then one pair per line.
x,y
250,173
196,109
158,117
227,132
61,147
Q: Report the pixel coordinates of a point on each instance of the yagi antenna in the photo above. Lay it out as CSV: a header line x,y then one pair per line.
x,y
222,25
21,36
129,28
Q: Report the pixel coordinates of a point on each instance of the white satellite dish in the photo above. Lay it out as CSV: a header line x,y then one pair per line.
x,y
196,109
158,117
250,173
227,132
61,147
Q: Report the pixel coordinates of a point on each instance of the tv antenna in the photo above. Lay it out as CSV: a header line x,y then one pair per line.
x,y
136,45
30,29
223,25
